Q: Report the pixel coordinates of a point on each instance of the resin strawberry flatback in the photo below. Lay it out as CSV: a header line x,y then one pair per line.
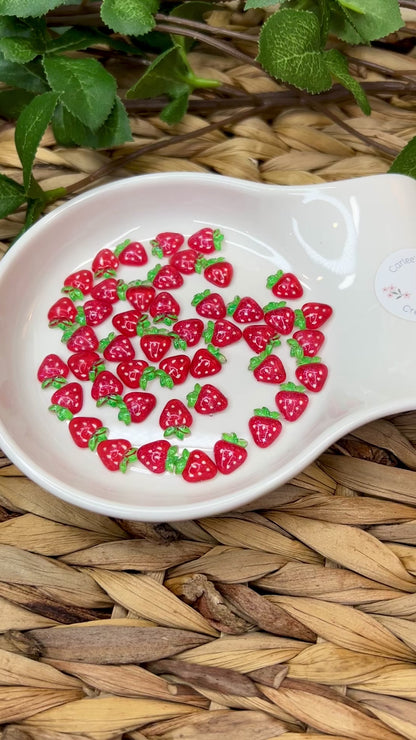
x,y
198,467
217,271
78,284
206,399
87,431
131,253
82,363
312,373
285,285
158,456
167,277
116,454
206,361
291,401
62,311
206,240
264,426
209,305
308,341
104,264
267,368
175,419
280,317
166,243
245,310
229,453
221,333
67,401
190,330
116,347
52,370
314,315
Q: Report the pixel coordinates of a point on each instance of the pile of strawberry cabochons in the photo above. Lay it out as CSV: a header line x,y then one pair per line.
x,y
156,339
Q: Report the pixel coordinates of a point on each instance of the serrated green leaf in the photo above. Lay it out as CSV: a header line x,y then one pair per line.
x,y
338,66
290,49
85,88
364,20
12,102
165,76
73,39
174,111
405,162
115,130
26,77
12,195
27,8
19,50
130,17
30,127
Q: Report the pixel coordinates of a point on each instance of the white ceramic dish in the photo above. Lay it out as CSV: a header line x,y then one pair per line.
x,y
352,245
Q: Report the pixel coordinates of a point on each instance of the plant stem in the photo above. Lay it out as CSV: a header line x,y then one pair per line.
x,y
204,38
366,139
205,27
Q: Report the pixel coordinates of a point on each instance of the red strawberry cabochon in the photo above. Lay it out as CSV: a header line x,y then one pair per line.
x,y
162,351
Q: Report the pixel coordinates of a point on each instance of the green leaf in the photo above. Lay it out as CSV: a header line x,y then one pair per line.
x,y
130,17
338,66
405,162
115,130
12,195
174,111
26,8
19,50
258,4
290,49
27,77
165,76
73,39
30,127
364,20
86,89
12,102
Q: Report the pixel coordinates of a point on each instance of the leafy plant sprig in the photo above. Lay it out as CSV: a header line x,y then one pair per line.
x,y
53,68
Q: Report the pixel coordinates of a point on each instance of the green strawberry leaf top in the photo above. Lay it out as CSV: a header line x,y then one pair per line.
x,y
149,373
80,317
299,319
62,413
75,294
96,368
153,272
292,387
273,305
106,341
172,459
258,359
216,353
192,396
232,305
308,360
178,342
119,248
181,462
266,413
129,457
233,439
295,349
99,436
273,279
203,262
180,432
198,297
57,382
208,333
165,318
164,378
217,238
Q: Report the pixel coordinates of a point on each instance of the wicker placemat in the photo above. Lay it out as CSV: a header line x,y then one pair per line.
x,y
294,618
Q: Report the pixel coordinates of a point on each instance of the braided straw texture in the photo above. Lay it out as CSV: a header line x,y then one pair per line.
x,y
293,618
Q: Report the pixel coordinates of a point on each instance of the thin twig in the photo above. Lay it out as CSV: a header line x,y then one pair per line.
x,y
396,73
205,39
197,25
366,139
116,163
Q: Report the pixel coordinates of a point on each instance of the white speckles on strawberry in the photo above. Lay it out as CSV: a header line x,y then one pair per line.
x,y
207,399
69,396
291,401
199,467
52,367
209,305
285,285
264,426
245,310
280,317
312,373
116,454
166,243
131,253
229,453
206,240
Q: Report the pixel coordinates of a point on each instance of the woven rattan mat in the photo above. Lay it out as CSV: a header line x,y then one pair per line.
x,y
294,618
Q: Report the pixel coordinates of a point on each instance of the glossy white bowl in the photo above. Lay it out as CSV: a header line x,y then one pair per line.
x,y
352,243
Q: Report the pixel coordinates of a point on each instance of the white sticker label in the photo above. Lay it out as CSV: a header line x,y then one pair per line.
x,y
395,284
